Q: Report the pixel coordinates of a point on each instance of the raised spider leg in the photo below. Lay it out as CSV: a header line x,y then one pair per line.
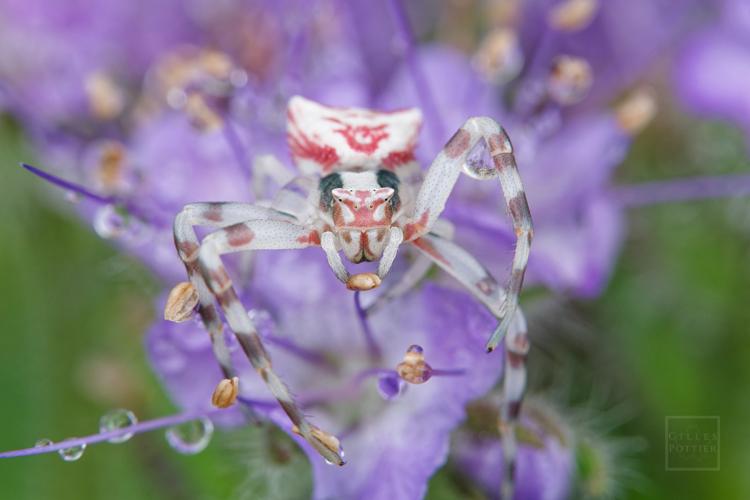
x,y
464,267
186,241
442,176
266,167
258,235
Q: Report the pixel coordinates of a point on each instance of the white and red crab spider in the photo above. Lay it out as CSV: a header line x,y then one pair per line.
x,y
360,191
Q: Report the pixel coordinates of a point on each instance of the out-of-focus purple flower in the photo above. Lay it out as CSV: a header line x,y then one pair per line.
x,y
58,60
547,452
713,71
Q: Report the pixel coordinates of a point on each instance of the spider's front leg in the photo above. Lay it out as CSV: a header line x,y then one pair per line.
x,y
442,177
464,267
261,235
186,241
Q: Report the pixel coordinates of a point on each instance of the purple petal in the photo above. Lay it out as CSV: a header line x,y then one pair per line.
x,y
713,75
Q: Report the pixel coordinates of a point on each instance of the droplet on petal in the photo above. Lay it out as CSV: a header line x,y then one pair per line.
x,y
115,420
108,222
191,437
73,453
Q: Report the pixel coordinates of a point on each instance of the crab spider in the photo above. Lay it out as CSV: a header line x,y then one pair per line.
x,y
359,193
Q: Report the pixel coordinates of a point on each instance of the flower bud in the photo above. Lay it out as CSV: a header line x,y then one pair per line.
x,y
225,393
181,302
363,281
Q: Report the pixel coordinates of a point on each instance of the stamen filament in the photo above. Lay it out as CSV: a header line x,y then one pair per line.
x,y
141,427
235,144
308,355
372,346
70,186
423,90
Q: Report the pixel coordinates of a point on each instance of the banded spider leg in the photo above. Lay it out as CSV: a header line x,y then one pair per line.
x,y
257,232
442,177
460,264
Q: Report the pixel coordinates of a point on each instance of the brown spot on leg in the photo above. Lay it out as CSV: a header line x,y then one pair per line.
x,y
499,143
220,281
416,229
313,238
239,235
458,143
188,250
519,208
214,212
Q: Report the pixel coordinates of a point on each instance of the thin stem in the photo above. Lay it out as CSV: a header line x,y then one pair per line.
x,y
146,426
692,188
348,391
70,186
308,355
86,193
235,144
372,346
422,88
450,372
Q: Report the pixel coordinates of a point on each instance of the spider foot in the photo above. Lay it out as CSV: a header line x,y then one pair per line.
x,y
499,334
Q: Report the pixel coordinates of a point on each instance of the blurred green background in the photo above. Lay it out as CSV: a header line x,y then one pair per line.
x,y
668,337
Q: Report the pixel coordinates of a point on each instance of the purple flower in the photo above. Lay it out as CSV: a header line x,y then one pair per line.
x,y
392,447
546,452
58,60
712,73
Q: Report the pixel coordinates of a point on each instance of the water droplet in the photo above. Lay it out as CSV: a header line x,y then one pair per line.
x,y
41,443
191,437
108,222
73,453
72,196
115,420
111,222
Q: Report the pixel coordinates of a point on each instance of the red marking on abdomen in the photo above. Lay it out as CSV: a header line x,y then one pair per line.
x,y
458,143
363,138
415,229
313,238
398,158
430,250
302,147
239,235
